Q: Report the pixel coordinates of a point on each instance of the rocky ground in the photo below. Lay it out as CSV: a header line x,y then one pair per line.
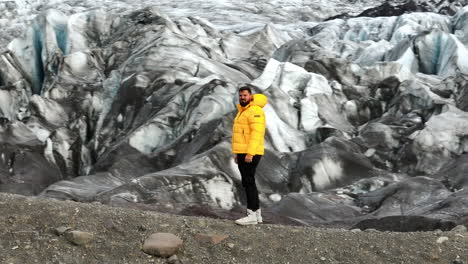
x,y
36,230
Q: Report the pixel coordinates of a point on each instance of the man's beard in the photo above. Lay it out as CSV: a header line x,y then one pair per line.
x,y
245,103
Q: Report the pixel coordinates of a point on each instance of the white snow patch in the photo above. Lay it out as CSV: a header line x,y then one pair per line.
x,y
148,137
78,63
220,191
275,197
41,133
234,169
351,109
370,152
327,171
119,118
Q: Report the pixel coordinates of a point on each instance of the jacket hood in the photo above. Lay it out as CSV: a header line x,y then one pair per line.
x,y
259,100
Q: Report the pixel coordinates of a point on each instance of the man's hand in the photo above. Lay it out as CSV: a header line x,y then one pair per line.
x,y
235,159
248,158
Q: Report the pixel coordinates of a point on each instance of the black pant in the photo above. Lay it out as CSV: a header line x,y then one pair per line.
x,y
247,171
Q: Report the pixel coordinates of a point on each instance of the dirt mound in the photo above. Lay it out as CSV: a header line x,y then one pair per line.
x,y
33,231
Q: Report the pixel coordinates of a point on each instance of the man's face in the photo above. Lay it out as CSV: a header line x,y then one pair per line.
x,y
244,97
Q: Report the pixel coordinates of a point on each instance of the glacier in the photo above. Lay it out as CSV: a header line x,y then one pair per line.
x,y
132,105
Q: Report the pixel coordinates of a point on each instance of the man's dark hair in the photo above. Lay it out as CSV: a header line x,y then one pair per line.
x,y
246,87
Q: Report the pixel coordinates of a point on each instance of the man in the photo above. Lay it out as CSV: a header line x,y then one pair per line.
x,y
248,147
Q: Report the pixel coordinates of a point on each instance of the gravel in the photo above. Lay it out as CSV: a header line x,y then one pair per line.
x,y
29,235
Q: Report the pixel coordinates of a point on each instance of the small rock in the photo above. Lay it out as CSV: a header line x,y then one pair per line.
x,y
371,230
162,244
61,230
79,237
230,245
173,259
202,222
212,238
113,225
109,224
441,240
248,249
356,230
322,259
460,229
11,219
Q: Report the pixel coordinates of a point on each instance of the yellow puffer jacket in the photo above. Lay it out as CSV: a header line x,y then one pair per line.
x,y
249,127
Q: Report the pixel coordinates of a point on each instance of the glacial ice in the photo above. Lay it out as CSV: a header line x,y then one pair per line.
x,y
430,34
127,106
49,110
436,144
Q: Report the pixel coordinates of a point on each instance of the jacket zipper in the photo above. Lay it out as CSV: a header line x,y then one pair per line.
x,y
243,134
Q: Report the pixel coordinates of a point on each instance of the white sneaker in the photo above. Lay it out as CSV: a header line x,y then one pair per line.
x,y
259,216
250,219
